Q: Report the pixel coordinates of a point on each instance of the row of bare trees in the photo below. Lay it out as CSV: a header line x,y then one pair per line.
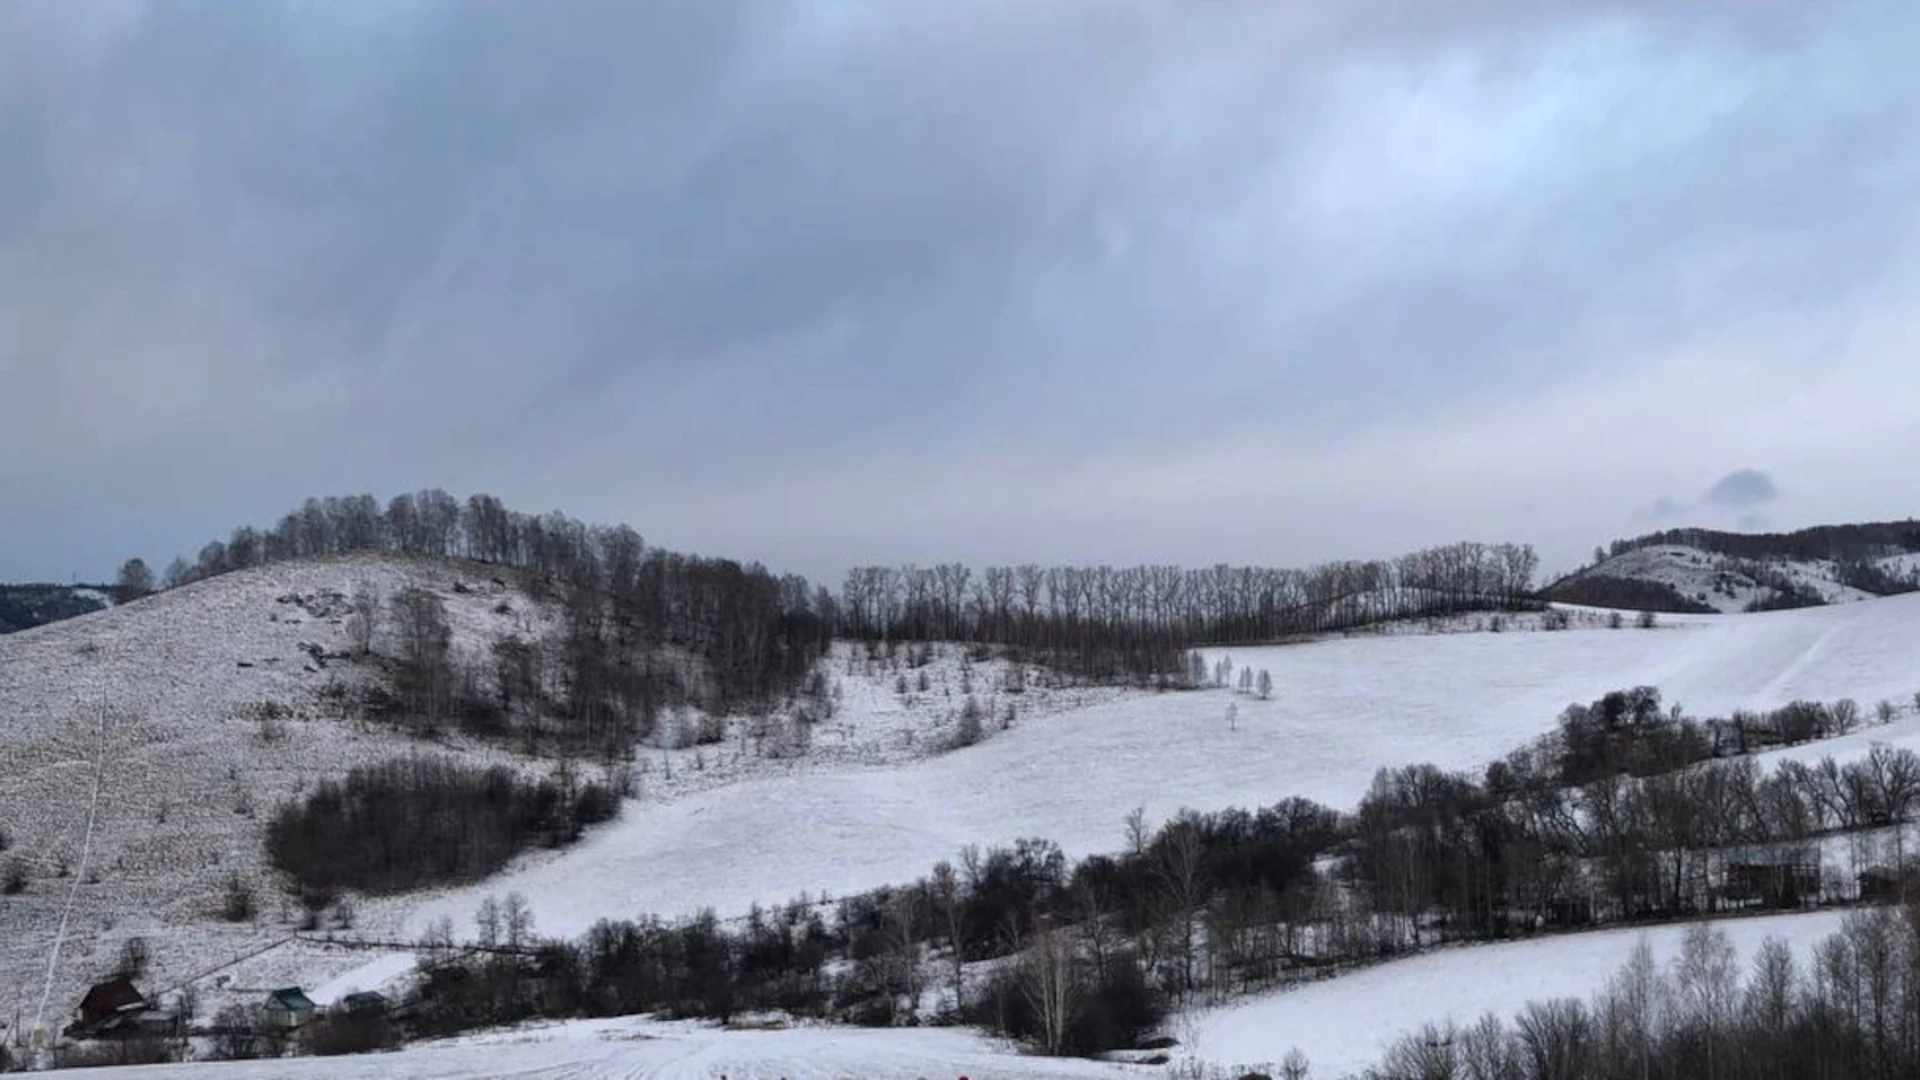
x,y
1137,619
1847,1007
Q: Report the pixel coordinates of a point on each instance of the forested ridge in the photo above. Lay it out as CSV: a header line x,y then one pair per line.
x,y
760,633
1839,543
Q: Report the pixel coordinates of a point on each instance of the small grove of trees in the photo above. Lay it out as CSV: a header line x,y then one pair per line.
x,y
1851,1008
1611,591
419,821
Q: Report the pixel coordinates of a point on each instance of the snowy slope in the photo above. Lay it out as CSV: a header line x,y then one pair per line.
x,y
1343,1025
1341,710
155,706
1729,585
135,773
640,1050
873,802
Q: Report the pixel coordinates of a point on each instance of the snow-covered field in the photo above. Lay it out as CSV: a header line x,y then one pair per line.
x,y
641,1050
1343,1025
185,776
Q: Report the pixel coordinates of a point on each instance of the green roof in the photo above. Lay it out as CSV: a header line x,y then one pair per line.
x,y
292,998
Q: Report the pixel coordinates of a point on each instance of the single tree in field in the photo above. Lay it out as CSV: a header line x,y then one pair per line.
x,y
1266,684
135,580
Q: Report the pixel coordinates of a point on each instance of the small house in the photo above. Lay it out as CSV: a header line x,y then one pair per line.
x,y
287,1009
365,1003
110,1005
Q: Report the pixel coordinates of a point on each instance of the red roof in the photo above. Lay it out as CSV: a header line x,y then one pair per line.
x,y
110,997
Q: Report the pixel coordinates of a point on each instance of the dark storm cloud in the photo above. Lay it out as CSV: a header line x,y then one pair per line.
x,y
665,261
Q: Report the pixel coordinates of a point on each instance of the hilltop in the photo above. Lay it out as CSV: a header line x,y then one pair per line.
x,y
1701,570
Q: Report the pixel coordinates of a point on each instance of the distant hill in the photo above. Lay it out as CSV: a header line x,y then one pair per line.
x,y
1705,570
23,607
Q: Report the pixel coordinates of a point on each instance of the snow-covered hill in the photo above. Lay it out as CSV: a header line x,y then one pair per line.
x,y
158,703
1341,709
142,747
142,750
1680,576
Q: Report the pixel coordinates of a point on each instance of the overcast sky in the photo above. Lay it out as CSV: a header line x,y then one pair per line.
x,y
827,283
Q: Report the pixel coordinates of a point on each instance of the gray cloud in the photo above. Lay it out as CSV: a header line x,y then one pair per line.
x,y
1739,493
1743,490
677,263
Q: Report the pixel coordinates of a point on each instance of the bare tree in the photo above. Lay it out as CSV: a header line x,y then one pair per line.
x,y
517,920
902,917
179,572
1707,982
425,670
487,920
134,581
1181,888
1051,984
366,612
946,893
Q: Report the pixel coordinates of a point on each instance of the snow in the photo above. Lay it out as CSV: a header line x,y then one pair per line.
x,y
878,799
1719,582
104,599
1341,709
188,780
631,1049
387,970
1344,1025
161,698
